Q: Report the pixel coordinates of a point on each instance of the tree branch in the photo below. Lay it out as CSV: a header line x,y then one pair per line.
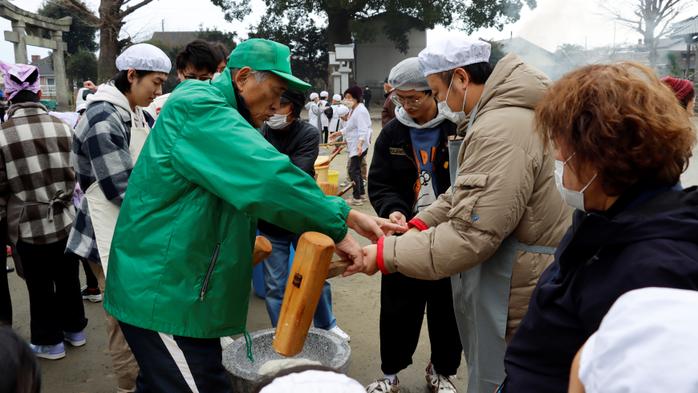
x,y
666,24
80,8
128,11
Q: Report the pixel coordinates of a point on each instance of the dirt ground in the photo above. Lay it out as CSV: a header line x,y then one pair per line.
x,y
356,305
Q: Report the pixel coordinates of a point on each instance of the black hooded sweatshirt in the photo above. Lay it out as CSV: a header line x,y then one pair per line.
x,y
649,238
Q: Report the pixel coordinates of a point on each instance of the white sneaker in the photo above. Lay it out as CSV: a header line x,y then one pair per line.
x,y
384,386
439,383
356,202
341,333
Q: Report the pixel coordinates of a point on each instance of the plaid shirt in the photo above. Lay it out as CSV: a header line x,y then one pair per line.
x,y
36,178
100,153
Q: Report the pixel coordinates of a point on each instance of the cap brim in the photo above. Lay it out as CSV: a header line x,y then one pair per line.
x,y
293,82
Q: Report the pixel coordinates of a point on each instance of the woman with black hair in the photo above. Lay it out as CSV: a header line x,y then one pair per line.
x,y
20,370
107,140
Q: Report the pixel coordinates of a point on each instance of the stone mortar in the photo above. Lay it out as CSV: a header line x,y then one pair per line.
x,y
321,346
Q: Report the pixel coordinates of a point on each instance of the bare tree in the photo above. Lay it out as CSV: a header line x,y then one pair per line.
x,y
110,21
651,18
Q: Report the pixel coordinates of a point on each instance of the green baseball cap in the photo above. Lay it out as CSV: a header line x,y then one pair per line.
x,y
265,55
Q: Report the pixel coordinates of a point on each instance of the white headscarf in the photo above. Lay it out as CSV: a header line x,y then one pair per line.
x,y
314,381
647,343
144,57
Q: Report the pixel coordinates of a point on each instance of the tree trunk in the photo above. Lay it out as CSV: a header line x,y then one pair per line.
x,y
651,41
111,21
338,27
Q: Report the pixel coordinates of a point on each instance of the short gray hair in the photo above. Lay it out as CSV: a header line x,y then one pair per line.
x,y
259,76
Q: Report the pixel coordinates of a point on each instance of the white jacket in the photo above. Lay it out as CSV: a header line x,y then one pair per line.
x,y
313,114
336,123
358,128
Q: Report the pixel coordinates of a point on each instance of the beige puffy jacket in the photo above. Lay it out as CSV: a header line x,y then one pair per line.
x,y
505,185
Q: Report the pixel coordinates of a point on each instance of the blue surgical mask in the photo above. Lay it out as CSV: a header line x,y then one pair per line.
x,y
455,117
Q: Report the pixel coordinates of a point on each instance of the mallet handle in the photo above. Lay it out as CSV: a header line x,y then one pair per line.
x,y
262,250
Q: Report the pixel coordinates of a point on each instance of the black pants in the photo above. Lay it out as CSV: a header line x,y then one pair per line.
x,y
168,362
325,134
55,303
355,175
5,300
402,310
90,279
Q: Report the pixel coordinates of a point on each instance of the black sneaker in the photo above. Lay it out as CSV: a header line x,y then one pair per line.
x,y
92,294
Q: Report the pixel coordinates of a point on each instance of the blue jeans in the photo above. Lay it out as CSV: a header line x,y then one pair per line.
x,y
276,271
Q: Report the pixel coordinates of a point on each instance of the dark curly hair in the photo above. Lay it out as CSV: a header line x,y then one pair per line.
x,y
620,120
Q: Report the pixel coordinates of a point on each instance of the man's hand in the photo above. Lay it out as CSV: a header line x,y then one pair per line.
x,y
398,218
372,228
370,255
89,85
350,250
334,136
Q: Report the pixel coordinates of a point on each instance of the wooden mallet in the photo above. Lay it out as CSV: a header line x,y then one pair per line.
x,y
303,289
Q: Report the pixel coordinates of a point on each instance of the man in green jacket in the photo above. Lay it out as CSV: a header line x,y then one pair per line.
x,y
180,264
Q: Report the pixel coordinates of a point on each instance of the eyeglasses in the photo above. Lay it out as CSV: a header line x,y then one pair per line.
x,y
411,102
199,77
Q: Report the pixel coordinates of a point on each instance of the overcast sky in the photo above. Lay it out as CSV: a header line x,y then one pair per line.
x,y
552,23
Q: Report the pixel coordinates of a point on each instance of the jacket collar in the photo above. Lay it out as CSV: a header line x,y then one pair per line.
x,y
642,212
224,83
25,109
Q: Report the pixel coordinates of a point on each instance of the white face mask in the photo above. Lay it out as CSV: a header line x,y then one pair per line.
x,y
457,118
573,198
278,121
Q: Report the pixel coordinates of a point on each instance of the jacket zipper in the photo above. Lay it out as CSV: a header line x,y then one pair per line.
x,y
211,265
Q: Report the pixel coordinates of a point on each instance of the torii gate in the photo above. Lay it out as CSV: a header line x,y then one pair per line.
x,y
29,28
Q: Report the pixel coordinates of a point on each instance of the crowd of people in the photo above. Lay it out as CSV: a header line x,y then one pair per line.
x,y
541,226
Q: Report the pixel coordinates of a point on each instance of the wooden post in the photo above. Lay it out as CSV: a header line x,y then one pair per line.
x,y
303,289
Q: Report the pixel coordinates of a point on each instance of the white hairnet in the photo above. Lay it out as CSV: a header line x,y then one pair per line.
x,y
407,75
646,343
314,381
313,96
144,57
337,97
452,52
324,94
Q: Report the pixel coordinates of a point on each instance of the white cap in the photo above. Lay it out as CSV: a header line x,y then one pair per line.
x,y
337,97
453,52
143,57
646,343
324,94
407,75
314,381
313,96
